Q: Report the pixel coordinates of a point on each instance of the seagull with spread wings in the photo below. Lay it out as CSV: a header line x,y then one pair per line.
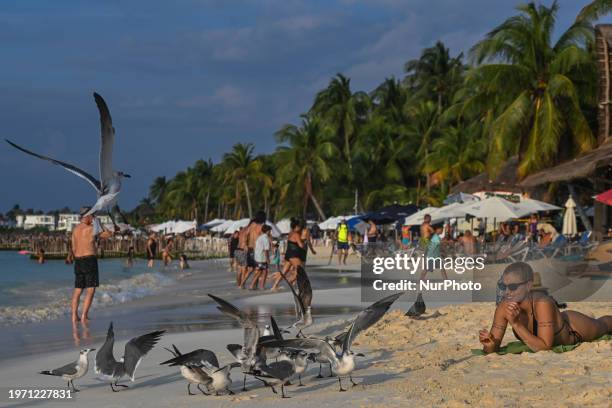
x,y
109,185
112,370
343,363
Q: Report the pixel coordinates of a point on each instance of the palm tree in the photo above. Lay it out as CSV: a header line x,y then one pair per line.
x,y
303,164
343,110
594,10
535,83
435,73
157,189
241,168
424,127
457,154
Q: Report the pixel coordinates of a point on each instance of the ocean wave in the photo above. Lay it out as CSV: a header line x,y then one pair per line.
x,y
57,301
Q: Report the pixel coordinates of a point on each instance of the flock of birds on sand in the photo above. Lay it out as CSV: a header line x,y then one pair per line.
x,y
267,355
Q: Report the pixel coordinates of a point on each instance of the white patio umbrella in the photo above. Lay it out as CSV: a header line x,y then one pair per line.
x,y
454,210
213,223
569,219
284,225
537,205
222,227
417,217
497,209
245,221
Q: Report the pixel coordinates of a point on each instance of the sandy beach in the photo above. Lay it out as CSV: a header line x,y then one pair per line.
x,y
408,362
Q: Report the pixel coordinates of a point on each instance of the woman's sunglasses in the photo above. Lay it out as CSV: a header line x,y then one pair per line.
x,y
511,286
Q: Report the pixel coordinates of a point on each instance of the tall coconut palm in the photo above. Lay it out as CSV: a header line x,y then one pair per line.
x,y
241,168
157,189
435,72
533,82
343,110
303,164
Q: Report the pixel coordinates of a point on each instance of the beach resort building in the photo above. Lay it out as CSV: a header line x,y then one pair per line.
x,y
36,220
66,222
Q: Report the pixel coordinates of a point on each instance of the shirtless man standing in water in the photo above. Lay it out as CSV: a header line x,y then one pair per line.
x,y
426,231
85,264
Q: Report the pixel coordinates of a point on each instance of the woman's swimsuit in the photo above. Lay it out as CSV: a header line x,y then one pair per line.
x,y
293,251
577,336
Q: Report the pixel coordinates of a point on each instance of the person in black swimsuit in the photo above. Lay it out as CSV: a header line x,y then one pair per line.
x,y
535,317
151,249
293,254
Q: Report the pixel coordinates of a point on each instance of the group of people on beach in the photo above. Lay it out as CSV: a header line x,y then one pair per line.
x,y
253,251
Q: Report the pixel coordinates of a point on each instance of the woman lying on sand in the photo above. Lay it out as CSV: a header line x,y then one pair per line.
x,y
535,317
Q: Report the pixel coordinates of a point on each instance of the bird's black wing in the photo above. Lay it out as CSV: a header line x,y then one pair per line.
x,y
367,318
195,358
137,348
278,335
105,361
68,369
71,168
107,141
304,287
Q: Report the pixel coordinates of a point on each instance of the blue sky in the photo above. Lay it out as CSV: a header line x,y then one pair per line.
x,y
187,79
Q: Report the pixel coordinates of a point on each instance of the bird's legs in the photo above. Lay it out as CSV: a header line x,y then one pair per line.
x,y
300,381
340,383
201,390
352,382
71,382
120,385
189,389
320,370
244,388
331,373
283,391
113,388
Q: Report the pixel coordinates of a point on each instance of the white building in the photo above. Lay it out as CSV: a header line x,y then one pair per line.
x,y
66,222
33,221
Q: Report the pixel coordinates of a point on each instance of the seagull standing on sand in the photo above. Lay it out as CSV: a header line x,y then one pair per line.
x,y
245,354
193,375
109,185
207,361
343,363
72,371
112,370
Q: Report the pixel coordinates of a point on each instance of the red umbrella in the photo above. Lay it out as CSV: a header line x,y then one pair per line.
x,y
605,197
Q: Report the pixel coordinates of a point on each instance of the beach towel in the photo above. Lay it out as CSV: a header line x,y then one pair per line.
x,y
518,347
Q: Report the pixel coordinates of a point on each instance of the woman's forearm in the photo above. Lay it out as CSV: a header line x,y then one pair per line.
x,y
533,342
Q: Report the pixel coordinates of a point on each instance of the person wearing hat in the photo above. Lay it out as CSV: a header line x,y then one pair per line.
x,y
86,277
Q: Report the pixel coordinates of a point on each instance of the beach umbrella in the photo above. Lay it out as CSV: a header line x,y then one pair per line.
x,y
236,225
213,223
460,198
537,205
605,197
391,213
496,208
357,224
417,217
223,226
569,218
454,210
284,226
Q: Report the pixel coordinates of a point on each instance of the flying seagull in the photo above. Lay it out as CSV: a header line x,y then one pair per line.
x,y
343,363
418,308
302,299
72,371
193,375
135,349
207,361
109,185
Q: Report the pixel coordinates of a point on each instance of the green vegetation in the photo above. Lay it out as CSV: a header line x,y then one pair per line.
x,y
521,92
